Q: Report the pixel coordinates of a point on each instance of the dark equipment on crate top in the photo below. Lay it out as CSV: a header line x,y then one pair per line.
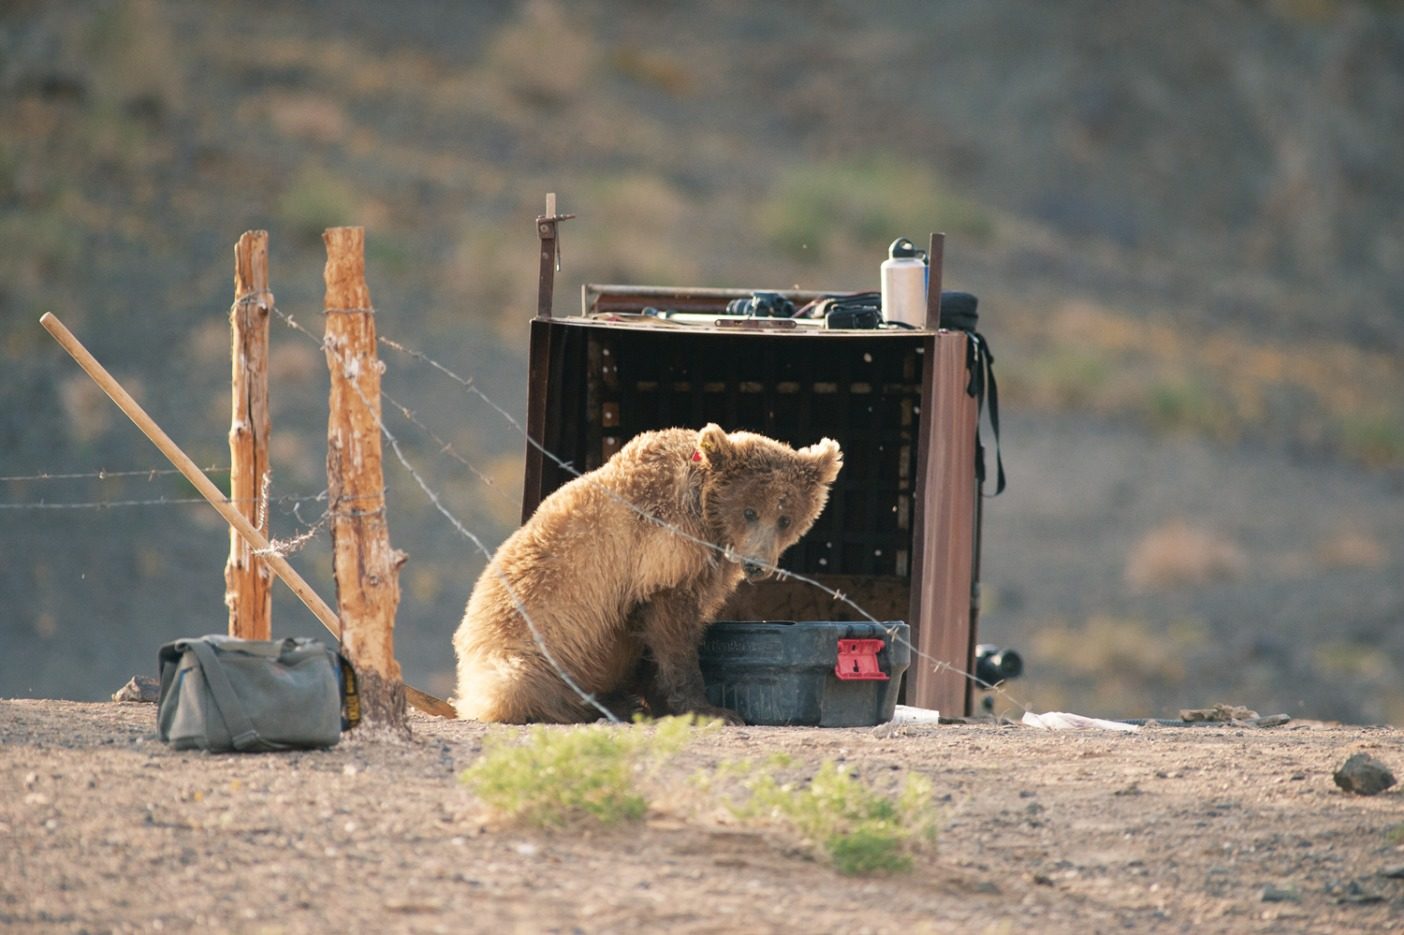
x,y
772,310
762,305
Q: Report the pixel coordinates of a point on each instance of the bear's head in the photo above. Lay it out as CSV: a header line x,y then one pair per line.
x,y
760,495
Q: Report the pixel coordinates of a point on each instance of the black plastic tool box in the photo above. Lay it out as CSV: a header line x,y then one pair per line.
x,y
816,673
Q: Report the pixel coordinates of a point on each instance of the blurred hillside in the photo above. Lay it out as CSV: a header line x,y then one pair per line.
x,y
1182,224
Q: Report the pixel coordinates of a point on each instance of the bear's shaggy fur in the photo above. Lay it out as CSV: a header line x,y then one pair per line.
x,y
620,571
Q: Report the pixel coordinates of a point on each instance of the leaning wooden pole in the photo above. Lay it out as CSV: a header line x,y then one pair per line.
x,y
367,569
248,583
206,488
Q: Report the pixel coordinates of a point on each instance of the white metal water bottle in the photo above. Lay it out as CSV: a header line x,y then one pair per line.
x,y
904,284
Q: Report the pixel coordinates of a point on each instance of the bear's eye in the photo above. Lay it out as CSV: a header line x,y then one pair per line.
x,y
751,515
783,522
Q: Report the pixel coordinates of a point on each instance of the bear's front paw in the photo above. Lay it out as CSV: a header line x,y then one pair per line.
x,y
725,715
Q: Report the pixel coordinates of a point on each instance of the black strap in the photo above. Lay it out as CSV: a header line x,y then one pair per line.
x,y
979,360
241,729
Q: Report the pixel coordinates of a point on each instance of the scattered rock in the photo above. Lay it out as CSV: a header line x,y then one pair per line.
x,y
1270,720
1217,712
1362,774
1357,894
1394,873
141,688
1232,714
1280,894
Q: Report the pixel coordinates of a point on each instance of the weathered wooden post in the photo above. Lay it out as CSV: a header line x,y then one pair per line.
x,y
248,582
365,566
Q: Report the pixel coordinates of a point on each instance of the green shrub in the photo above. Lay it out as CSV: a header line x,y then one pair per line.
x,y
603,773
560,775
861,829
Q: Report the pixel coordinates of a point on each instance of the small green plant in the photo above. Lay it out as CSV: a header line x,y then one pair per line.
x,y
560,775
601,773
861,829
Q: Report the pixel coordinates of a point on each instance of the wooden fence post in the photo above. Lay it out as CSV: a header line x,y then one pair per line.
x,y
248,582
366,567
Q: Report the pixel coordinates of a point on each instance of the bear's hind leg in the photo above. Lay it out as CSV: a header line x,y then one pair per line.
x,y
526,694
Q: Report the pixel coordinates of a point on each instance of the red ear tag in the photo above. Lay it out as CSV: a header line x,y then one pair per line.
x,y
697,456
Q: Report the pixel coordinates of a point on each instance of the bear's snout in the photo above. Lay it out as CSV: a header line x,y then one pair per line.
x,y
754,571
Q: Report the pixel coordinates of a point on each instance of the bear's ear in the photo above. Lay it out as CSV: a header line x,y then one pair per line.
x,y
714,445
826,458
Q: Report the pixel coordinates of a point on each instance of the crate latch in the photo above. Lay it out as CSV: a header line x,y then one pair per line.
x,y
857,659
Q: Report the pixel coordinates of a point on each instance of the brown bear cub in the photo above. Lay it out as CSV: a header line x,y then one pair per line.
x,y
621,570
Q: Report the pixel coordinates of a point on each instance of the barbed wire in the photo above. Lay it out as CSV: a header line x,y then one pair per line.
x,y
517,604
284,546
148,473
157,501
445,448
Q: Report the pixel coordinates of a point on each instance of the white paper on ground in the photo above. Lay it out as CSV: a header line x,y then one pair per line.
x,y
1062,720
905,714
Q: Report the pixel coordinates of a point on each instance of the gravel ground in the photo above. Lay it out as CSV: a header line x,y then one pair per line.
x,y
1215,829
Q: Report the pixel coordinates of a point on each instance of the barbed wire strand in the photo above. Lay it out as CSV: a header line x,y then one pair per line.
x,y
438,504
294,500
149,474
292,544
158,501
445,448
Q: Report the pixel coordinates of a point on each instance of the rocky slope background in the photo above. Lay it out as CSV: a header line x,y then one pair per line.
x,y
1182,225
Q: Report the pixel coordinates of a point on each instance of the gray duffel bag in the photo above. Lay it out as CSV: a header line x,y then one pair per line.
x,y
220,694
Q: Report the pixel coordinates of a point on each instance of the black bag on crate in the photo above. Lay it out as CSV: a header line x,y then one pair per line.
x,y
960,312
224,694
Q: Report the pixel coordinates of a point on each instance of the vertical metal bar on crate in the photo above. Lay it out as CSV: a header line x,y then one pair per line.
x,y
943,538
547,230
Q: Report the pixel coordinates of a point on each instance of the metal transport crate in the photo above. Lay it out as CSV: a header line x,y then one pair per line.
x,y
899,536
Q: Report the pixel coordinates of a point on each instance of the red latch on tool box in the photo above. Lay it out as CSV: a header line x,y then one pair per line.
x,y
857,659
